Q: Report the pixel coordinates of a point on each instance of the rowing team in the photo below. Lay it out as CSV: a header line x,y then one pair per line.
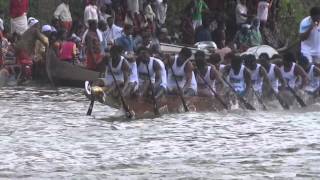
x,y
202,77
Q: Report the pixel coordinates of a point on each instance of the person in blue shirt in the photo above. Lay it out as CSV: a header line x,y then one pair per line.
x,y
126,40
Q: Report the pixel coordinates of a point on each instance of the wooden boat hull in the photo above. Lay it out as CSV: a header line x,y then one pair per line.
x,y
170,104
62,73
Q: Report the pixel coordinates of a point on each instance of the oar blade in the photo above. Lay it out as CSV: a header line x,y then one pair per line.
x,y
89,112
284,105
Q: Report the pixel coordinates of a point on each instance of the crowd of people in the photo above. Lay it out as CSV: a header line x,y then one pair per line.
x,y
122,38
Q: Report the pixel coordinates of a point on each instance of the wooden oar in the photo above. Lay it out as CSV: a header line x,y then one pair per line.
x,y
298,98
282,102
213,91
186,109
89,112
155,104
242,100
124,104
264,107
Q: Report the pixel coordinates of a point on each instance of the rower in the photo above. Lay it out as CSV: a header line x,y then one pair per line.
x,y
313,75
207,72
274,74
292,71
183,73
239,75
215,59
258,74
119,67
157,72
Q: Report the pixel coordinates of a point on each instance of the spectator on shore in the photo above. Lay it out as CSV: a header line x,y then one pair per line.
x,y
146,40
104,14
241,13
243,38
101,3
199,9
93,46
310,36
263,11
113,32
255,33
126,39
150,16
91,12
219,35
161,12
64,15
133,7
1,21
203,33
188,33
18,14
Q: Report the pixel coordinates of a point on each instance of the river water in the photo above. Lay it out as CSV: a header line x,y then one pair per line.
x,y
44,134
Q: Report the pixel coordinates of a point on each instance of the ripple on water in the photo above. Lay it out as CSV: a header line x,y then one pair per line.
x,y
45,134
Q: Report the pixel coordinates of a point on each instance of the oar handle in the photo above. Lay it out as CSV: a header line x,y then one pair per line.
x,y
186,109
126,108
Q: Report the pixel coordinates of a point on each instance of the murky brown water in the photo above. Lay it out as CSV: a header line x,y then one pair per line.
x,y
44,134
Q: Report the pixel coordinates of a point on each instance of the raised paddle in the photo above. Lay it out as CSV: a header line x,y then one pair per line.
x,y
213,91
241,99
259,99
155,104
186,109
298,98
124,104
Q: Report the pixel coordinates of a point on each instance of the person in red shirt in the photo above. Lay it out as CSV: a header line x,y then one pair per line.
x,y
93,47
18,15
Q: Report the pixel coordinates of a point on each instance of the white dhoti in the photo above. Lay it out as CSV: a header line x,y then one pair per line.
x,y
19,24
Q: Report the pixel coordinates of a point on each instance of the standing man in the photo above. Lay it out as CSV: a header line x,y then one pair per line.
x,y
18,15
64,15
310,36
200,7
126,40
93,46
241,13
113,32
91,12
25,47
161,11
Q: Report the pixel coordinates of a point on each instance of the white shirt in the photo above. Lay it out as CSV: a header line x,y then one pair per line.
x,y
263,10
113,33
241,9
311,46
63,13
161,11
133,6
90,13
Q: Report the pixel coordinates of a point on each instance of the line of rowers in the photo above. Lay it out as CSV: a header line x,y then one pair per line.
x,y
244,73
